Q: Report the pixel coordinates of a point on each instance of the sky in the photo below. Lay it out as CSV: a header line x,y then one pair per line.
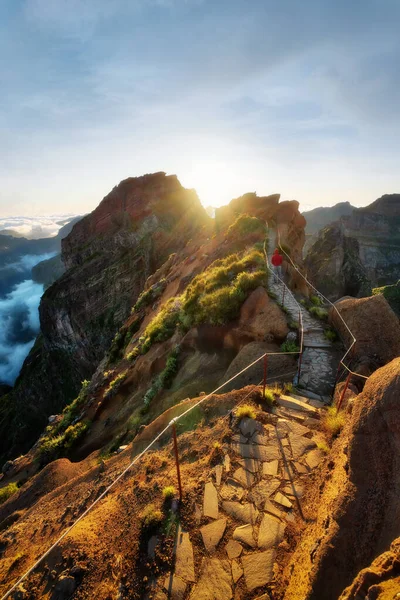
x,y
300,98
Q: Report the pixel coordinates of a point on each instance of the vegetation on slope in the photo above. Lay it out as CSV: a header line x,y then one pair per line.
x,y
215,297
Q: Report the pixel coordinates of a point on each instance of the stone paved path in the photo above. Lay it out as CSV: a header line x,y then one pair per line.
x,y
320,358
253,496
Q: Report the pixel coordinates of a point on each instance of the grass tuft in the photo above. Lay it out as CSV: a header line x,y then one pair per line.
x,y
245,411
152,517
320,313
333,421
169,492
323,446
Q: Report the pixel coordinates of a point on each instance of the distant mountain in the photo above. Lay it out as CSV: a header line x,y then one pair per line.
x,y
324,215
11,233
358,252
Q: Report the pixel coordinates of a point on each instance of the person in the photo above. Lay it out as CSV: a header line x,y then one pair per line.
x,y
276,261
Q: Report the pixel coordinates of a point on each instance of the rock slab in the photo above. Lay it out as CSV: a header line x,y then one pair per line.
x,y
212,534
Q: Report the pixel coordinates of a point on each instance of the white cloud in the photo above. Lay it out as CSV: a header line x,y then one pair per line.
x,y
35,227
19,325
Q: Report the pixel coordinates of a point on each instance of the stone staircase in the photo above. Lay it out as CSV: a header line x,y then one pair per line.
x,y
248,502
320,357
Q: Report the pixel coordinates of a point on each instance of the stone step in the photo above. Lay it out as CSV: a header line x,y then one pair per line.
x,y
294,404
314,399
317,345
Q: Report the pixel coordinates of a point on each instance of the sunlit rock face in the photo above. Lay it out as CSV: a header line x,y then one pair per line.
x,y
358,252
356,511
108,255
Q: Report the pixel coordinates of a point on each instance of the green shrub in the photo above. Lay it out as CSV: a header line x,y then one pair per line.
x,y
162,327
50,449
151,517
333,421
74,433
150,295
169,492
293,325
330,335
115,384
72,411
245,411
133,354
7,491
164,379
288,387
289,346
245,226
316,301
320,313
171,368
248,282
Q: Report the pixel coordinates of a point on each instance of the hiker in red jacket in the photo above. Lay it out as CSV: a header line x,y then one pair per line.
x,y
276,261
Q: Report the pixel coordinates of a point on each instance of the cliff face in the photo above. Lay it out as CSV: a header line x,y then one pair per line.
x,y
109,254
355,516
358,252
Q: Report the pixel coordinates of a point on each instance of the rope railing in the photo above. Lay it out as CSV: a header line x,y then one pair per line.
x,y
354,340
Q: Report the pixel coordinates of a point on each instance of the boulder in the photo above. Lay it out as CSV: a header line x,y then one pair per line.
x,y
277,365
262,317
373,324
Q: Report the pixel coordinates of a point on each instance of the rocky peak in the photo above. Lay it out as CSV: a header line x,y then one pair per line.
x,y
109,254
388,205
135,208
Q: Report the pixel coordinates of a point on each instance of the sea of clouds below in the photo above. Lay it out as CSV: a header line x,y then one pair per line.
x,y
35,228
19,304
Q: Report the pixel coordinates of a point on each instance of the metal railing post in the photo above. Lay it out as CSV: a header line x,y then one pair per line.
x,y
265,375
178,471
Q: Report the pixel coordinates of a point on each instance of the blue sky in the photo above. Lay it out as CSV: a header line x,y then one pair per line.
x,y
300,98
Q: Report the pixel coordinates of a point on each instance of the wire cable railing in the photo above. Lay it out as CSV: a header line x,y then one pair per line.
x,y
311,286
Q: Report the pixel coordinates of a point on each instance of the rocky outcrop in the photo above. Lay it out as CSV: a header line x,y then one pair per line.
x,y
358,252
375,327
379,581
108,255
356,514
283,215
